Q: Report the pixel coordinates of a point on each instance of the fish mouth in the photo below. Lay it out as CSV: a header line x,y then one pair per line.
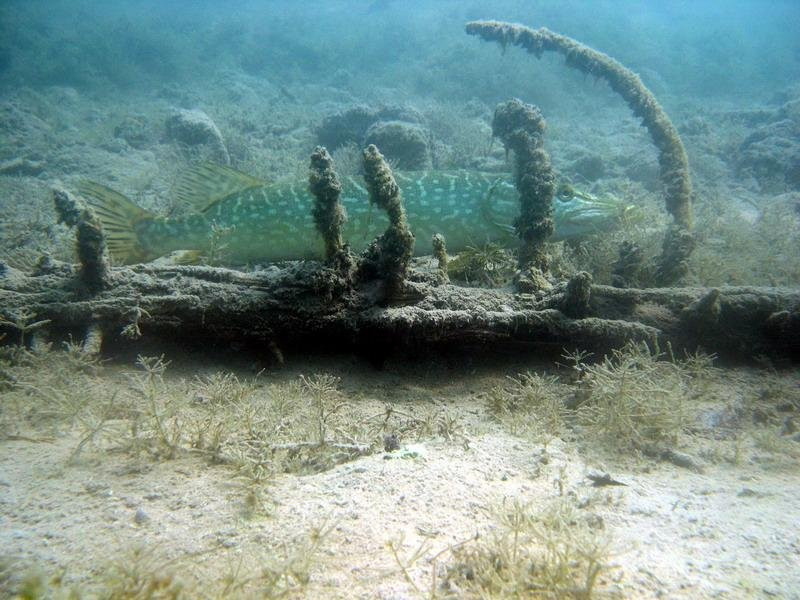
x,y
585,214
588,208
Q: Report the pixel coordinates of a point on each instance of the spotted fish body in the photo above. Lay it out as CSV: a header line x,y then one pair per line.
x,y
273,222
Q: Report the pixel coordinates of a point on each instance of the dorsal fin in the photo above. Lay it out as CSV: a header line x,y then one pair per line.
x,y
204,184
117,216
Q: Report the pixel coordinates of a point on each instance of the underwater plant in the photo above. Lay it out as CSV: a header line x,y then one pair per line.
x,y
157,425
48,389
765,246
216,251
297,427
489,265
145,572
529,402
222,388
551,552
326,403
633,397
22,325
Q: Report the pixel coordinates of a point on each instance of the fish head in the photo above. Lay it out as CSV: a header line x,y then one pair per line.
x,y
579,214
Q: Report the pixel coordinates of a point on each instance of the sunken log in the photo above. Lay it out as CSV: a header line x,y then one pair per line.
x,y
304,305
311,305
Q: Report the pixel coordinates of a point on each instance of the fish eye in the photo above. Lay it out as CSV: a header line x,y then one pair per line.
x,y
564,190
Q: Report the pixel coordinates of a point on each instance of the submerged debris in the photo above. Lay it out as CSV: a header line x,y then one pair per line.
x,y
440,254
328,213
393,250
604,479
673,161
521,129
91,241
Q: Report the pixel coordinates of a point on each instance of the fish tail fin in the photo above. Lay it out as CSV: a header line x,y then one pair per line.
x,y
118,217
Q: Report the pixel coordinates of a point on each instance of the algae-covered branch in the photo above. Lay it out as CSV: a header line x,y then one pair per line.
x,y
673,162
521,129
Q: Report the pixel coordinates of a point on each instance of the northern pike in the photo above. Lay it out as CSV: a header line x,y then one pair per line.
x,y
258,222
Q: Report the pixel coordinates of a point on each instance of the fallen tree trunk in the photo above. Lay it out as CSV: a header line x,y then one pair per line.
x,y
308,305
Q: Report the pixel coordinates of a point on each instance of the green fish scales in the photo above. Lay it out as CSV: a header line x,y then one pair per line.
x,y
273,222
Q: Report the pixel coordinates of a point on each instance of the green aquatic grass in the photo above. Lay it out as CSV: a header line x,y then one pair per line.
x,y
489,265
552,552
529,402
301,425
734,250
46,390
145,573
631,398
